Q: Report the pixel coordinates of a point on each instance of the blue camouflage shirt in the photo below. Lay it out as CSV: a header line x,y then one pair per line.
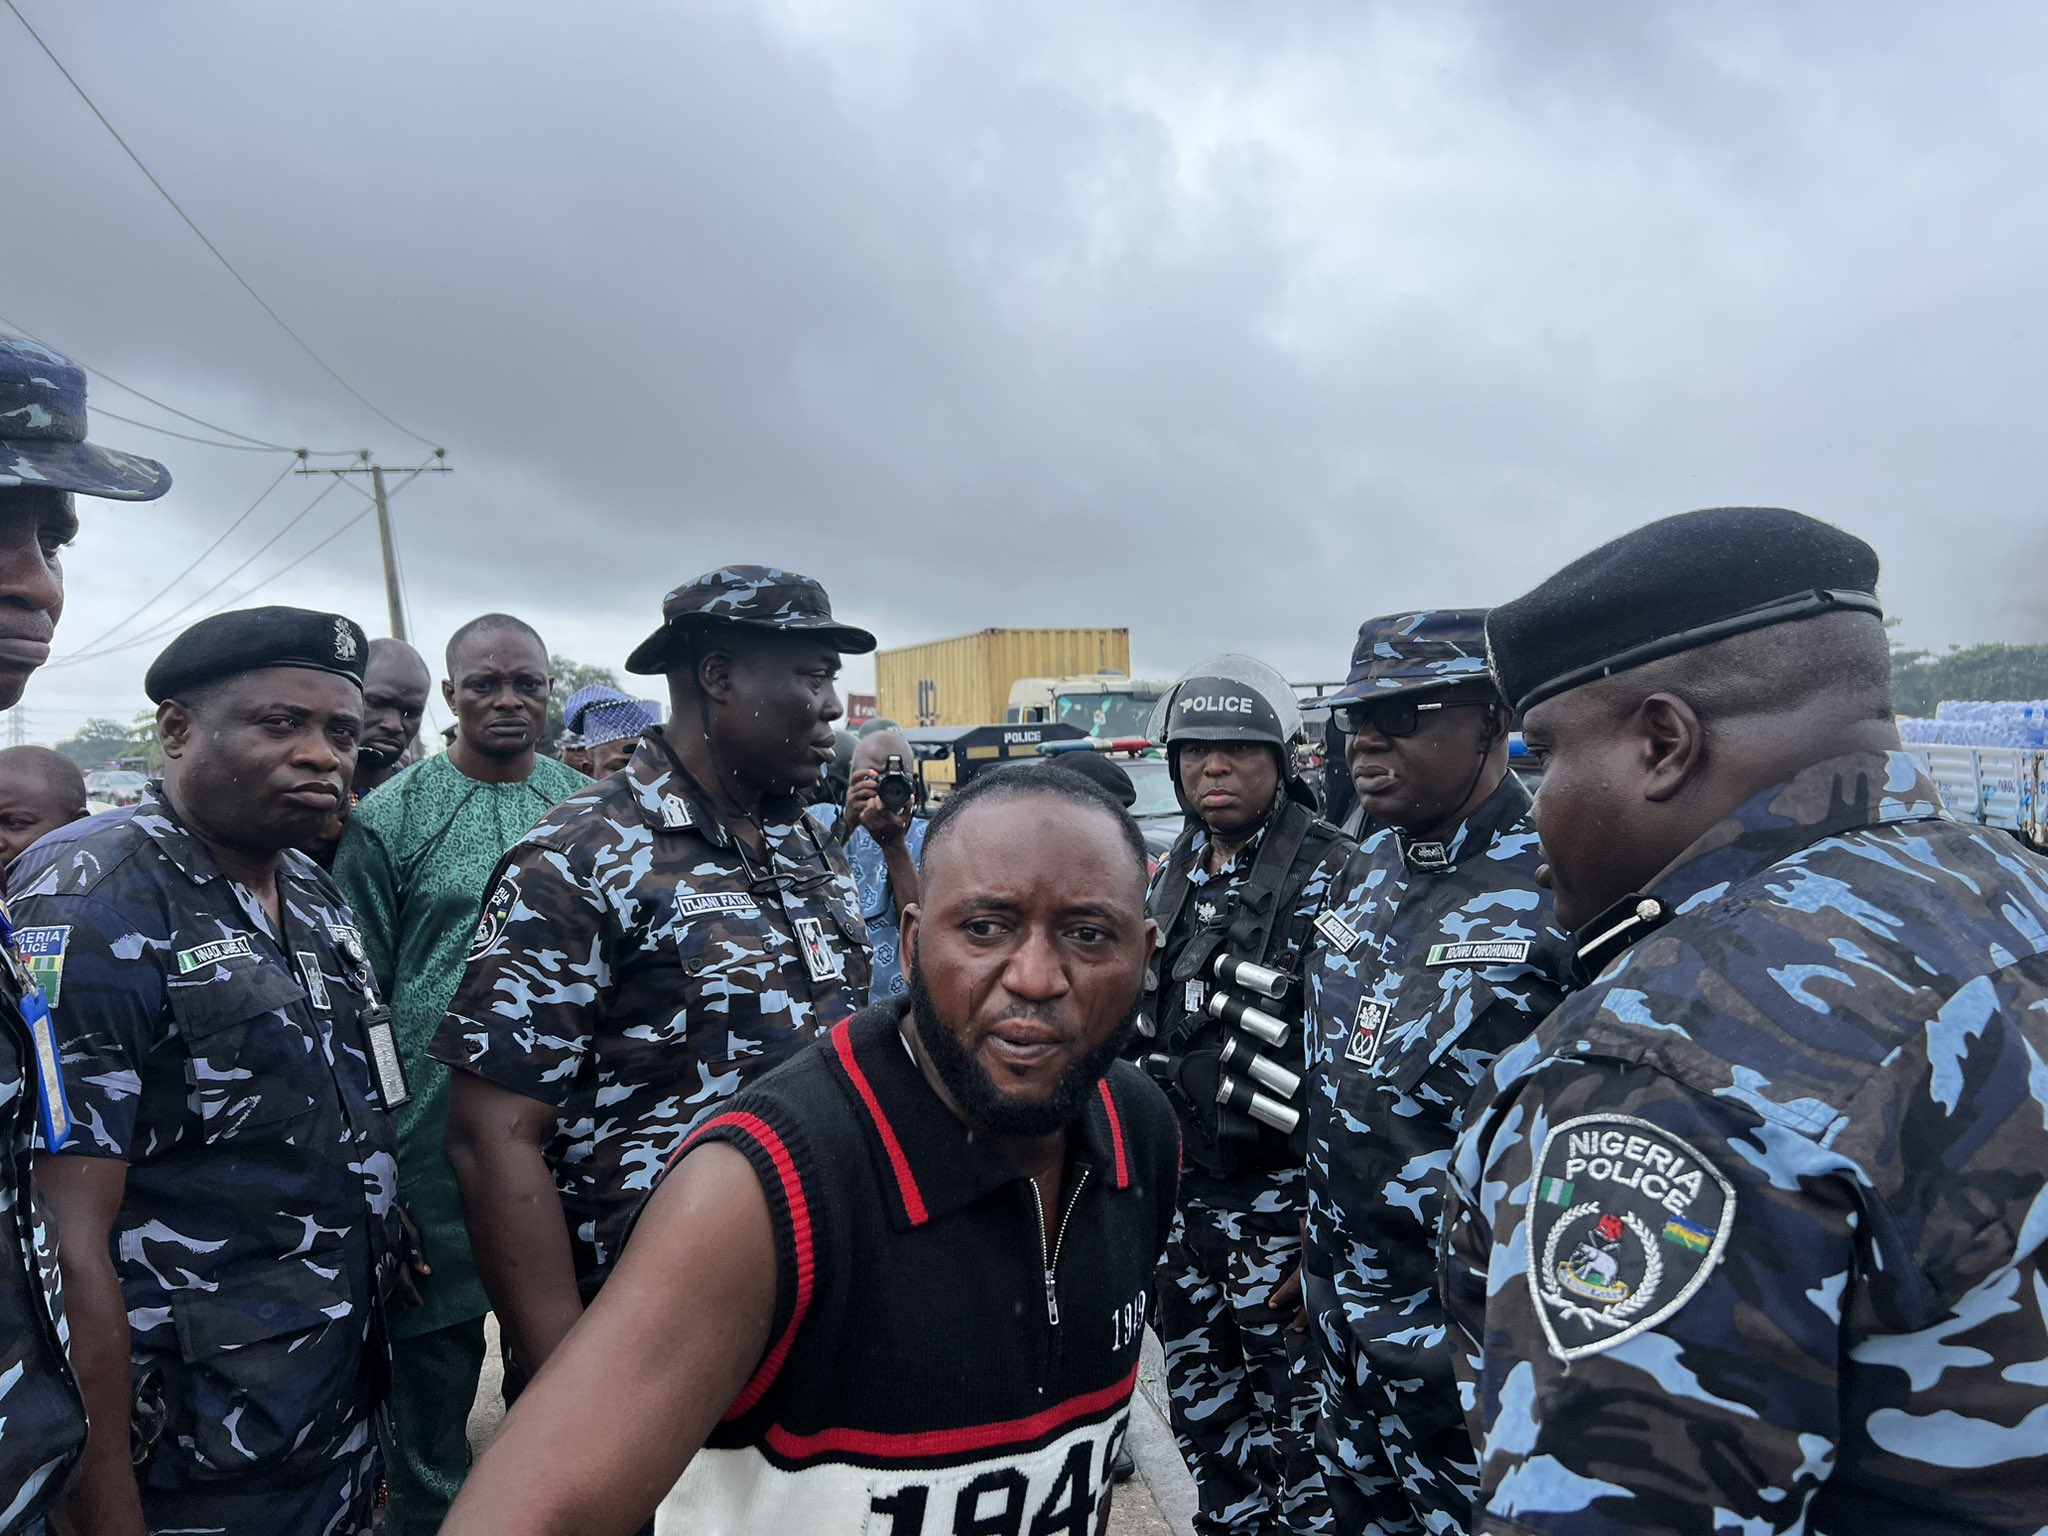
x,y
877,901
225,1062
635,967
1749,1236
1431,961
42,1416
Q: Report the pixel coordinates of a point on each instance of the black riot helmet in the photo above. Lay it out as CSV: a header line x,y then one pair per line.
x,y
1230,698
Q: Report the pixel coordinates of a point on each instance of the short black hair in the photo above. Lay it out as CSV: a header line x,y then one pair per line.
x,y
63,778
1018,781
486,623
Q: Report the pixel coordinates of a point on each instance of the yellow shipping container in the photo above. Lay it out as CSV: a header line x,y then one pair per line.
x,y
966,680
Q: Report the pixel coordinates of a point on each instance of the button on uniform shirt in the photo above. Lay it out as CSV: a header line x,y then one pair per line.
x,y
225,1061
1749,1235
1422,976
942,1358
635,967
42,1417
416,861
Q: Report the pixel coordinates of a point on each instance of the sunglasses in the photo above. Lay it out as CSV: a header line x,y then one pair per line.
x,y
1395,717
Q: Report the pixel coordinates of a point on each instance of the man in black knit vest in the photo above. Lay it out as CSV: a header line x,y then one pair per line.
x,y
900,1284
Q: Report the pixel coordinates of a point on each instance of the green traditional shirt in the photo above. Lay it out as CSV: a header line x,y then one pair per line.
x,y
415,864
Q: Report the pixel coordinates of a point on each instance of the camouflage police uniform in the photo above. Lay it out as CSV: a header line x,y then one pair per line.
x,y
1240,1379
228,1064
636,965
42,1417
1433,958
1749,1236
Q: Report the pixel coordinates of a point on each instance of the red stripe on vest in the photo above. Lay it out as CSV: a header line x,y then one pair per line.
x,y
1116,1134
800,1230
923,1446
906,1182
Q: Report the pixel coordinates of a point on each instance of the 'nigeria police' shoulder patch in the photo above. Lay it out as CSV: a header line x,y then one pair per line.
x,y
42,953
497,913
1625,1223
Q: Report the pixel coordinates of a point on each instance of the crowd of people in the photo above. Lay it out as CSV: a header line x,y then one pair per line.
x,y
1668,1152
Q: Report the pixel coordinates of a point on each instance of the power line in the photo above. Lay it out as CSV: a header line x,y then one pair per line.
x,y
304,346
209,442
198,421
168,623
168,586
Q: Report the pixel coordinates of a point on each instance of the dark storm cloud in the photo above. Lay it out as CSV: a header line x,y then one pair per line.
x,y
1232,324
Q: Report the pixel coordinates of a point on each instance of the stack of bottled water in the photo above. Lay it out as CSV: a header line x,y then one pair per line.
x,y
1972,723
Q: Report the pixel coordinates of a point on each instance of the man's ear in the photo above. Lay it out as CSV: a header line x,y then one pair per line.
x,y
174,727
906,941
715,676
1671,745
1496,731
448,694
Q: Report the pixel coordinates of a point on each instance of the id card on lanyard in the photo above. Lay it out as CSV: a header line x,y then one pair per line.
x,y
53,1109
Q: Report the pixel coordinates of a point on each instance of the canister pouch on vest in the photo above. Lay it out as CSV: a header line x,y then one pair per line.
x,y
1256,1022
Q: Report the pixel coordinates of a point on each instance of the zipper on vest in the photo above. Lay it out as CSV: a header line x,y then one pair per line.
x,y
1051,1256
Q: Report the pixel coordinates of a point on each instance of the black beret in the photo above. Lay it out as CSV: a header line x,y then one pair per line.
x,y
250,639
1675,585
1093,765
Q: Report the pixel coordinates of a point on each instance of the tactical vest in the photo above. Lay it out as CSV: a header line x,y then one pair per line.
x,y
1225,1040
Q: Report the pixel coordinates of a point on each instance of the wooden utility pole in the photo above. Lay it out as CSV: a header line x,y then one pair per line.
x,y
390,553
387,542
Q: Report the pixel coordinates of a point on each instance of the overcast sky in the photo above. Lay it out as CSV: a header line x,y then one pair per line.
x,y
1233,323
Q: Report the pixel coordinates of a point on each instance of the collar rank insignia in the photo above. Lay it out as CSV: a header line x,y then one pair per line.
x,y
1625,1224
1429,858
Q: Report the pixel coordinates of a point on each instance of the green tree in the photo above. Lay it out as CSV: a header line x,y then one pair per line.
x,y
100,743
1922,679
570,676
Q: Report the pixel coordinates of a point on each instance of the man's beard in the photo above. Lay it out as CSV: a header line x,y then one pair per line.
x,y
984,1104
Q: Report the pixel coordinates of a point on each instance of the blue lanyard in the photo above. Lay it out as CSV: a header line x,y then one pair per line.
x,y
53,1109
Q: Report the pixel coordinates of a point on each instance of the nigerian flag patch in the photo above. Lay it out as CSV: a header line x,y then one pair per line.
x,y
1556,1191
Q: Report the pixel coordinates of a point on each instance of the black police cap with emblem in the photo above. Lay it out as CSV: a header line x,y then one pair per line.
x,y
751,597
1671,586
251,639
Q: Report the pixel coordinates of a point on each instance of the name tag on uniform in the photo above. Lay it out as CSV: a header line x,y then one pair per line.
x,y
1337,933
1364,1043
819,958
704,903
1480,952
232,947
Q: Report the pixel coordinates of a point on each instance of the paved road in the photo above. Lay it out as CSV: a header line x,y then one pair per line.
x,y
1157,1502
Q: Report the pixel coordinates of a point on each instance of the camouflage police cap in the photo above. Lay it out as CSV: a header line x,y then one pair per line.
x,y
1408,652
755,596
42,432
253,639
1675,585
